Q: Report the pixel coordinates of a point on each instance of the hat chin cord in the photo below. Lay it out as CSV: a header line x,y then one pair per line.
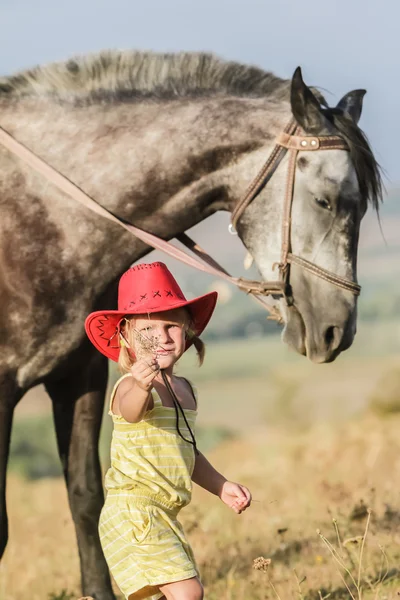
x,y
178,408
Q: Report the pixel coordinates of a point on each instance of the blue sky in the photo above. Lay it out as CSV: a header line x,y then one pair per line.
x,y
341,45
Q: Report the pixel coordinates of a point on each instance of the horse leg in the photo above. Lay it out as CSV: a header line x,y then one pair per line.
x,y
9,396
78,401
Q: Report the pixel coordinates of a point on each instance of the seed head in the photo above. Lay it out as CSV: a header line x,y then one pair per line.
x,y
261,564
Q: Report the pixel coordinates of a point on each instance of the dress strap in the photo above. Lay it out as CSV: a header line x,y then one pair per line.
x,y
114,391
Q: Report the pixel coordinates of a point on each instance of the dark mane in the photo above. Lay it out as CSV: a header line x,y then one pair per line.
x,y
367,168
133,74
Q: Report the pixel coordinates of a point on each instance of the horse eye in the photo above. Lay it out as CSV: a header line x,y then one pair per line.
x,y
324,203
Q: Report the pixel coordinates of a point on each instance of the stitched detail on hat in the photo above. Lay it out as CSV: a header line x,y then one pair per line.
x,y
142,267
143,297
168,294
128,306
100,326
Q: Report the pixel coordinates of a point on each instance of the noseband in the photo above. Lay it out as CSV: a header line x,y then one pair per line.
x,y
288,141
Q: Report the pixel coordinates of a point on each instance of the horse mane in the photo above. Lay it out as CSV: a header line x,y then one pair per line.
x,y
366,166
113,75
121,75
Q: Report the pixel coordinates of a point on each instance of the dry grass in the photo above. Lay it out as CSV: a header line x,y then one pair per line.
x,y
323,476
324,479
385,399
42,554
311,482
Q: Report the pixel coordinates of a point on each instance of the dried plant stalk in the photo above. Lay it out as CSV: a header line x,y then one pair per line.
x,y
145,345
262,564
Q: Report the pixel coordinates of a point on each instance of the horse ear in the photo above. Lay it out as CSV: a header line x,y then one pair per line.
x,y
305,107
351,104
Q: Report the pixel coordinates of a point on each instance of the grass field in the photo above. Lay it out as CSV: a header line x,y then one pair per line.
x,y
306,441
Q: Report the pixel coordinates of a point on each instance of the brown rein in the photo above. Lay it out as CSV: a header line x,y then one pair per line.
x,y
287,141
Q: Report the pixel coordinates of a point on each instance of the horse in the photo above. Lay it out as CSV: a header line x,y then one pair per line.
x,y
162,141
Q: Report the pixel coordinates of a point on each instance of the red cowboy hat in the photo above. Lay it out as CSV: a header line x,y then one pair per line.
x,y
145,289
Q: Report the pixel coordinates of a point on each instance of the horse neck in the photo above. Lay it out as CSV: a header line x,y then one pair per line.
x,y
194,157
164,166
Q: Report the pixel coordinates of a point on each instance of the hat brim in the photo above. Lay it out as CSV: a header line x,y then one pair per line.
x,y
102,326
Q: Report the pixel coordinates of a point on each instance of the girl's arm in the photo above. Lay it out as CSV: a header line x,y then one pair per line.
x,y
131,401
206,476
234,495
133,393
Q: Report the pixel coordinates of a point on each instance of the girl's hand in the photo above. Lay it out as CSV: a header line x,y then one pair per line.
x,y
236,496
144,371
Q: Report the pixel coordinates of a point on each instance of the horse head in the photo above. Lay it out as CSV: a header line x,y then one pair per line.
x,y
328,194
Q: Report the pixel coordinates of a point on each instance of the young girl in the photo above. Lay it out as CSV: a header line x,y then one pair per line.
x,y
154,457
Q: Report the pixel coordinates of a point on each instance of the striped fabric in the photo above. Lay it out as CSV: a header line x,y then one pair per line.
x,y
149,481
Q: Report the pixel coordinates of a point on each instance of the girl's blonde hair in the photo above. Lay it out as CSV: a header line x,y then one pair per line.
x,y
130,339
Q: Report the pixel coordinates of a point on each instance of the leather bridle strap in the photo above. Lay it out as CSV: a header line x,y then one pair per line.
x,y
341,282
290,140
295,144
264,174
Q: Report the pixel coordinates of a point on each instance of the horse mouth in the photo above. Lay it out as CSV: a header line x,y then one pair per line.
x,y
294,332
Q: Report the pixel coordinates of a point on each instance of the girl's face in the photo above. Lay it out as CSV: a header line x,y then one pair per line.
x,y
169,329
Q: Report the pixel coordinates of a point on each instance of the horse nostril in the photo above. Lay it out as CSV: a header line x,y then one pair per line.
x,y
332,337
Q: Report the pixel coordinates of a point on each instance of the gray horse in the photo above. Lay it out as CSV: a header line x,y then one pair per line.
x,y
162,141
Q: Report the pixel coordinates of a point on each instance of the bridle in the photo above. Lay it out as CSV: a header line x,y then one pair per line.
x,y
288,141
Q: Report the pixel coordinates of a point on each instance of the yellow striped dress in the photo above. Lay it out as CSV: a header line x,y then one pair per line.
x,y
148,483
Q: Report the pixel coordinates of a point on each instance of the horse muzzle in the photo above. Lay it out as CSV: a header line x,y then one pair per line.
x,y
320,340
